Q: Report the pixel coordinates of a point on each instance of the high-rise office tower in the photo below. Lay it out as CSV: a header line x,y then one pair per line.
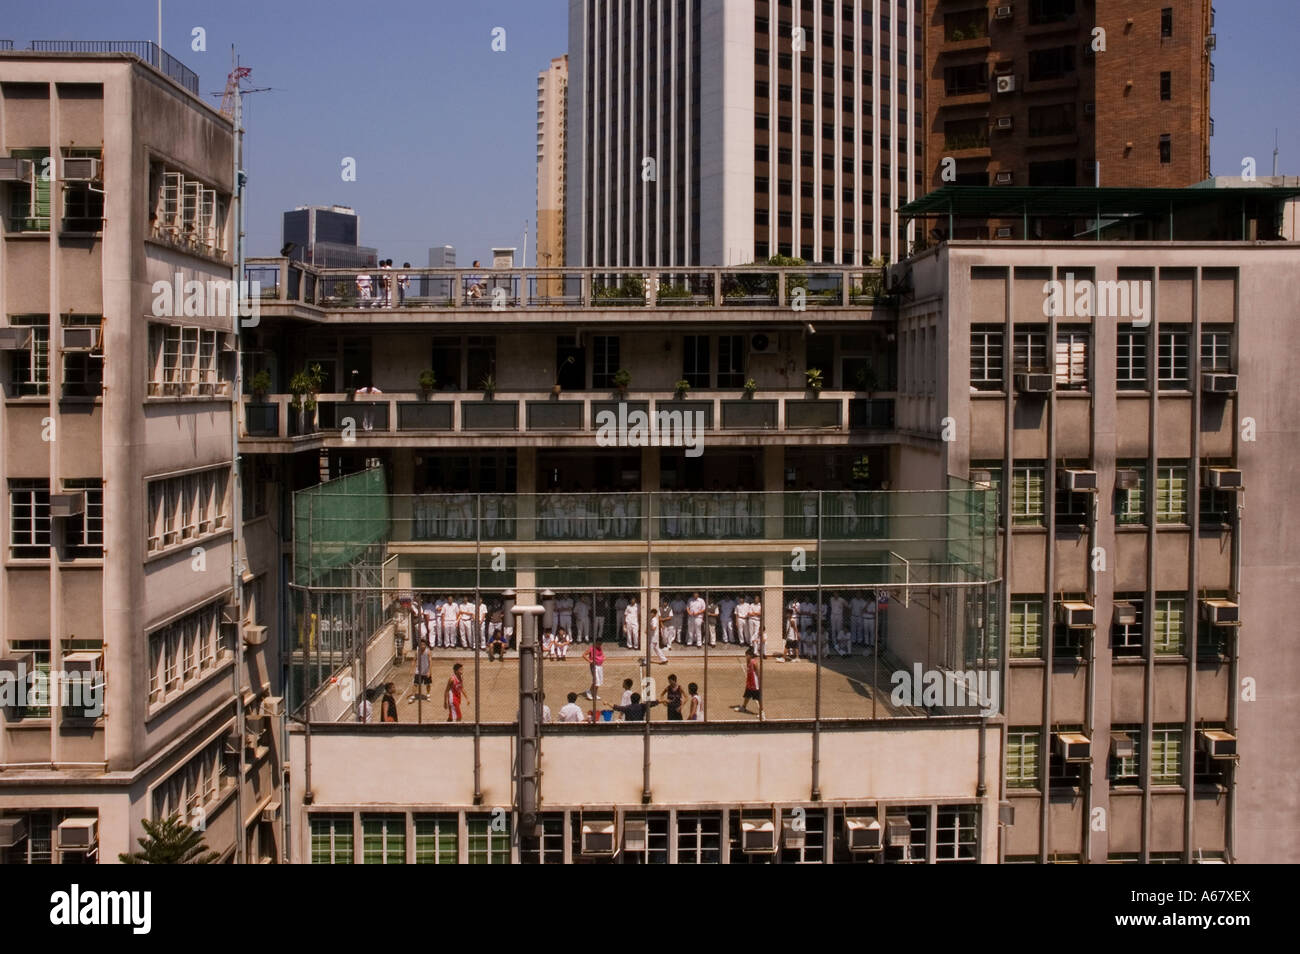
x,y
707,132
552,115
1040,93
327,236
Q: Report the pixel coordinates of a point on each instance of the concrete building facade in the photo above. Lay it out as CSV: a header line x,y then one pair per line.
x,y
118,327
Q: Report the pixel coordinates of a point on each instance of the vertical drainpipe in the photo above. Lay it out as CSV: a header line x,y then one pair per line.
x,y
1193,568
236,504
1049,601
648,509
1234,667
1090,677
477,636
54,383
816,794
528,787
1004,492
1148,703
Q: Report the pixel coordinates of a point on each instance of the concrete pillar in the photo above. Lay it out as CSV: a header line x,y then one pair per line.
x,y
526,488
403,486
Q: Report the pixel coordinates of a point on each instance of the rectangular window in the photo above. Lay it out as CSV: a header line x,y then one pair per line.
x,y
1131,360
1216,349
1171,493
1166,85
1051,64
954,833
383,839
331,839
83,207
1030,351
549,847
1053,120
731,361
29,370
1126,638
1166,755
1172,364
1025,630
1124,769
1167,21
1071,360
1022,758
813,849
1130,502
1168,632
29,519
963,80
604,360
83,371
1027,489
695,360
187,506
1050,11
1166,149
699,838
83,535
436,839
183,361
29,202
488,840
184,652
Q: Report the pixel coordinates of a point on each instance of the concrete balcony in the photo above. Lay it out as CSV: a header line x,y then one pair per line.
x,y
535,418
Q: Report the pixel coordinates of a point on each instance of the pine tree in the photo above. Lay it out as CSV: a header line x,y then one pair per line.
x,y
170,842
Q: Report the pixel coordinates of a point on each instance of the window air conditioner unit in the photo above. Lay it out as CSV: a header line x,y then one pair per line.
x,y
81,169
1006,83
15,339
1033,383
863,834
1217,744
1075,615
1220,612
254,634
78,834
16,170
1126,614
271,812
1004,122
71,504
1218,382
898,831
12,831
273,706
230,612
634,832
758,837
1121,745
81,339
1004,231
1128,478
599,838
1073,746
1077,481
1003,178
792,837
1222,478
255,725
1003,12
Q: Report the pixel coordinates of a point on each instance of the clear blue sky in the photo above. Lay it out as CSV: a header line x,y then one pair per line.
x,y
443,129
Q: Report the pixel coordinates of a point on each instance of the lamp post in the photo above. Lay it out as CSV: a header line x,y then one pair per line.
x,y
528,778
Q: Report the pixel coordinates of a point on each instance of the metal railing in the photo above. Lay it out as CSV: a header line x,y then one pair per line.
x,y
498,289
149,52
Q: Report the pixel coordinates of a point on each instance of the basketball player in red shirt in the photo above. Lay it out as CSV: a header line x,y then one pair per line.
x,y
455,694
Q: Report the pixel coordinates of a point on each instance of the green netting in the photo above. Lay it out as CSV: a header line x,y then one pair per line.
x,y
334,523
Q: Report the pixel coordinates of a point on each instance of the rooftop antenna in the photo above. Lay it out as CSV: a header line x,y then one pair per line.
x,y
160,24
1275,151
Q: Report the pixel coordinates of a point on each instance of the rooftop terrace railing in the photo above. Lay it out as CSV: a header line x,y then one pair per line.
x,y
500,289
150,52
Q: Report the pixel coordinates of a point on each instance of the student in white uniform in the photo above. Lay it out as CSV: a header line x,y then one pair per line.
x,y
465,624
450,616
727,619
564,612
740,511
857,624
742,620
711,622
695,609
599,611
654,634
482,625
809,501
491,510
563,640
756,625
838,606
632,624
678,621
869,616
582,620
363,290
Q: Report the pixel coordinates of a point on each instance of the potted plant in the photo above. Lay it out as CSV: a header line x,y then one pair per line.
x,y
814,376
428,381
261,385
681,388
750,387
489,385
867,380
304,386
622,378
